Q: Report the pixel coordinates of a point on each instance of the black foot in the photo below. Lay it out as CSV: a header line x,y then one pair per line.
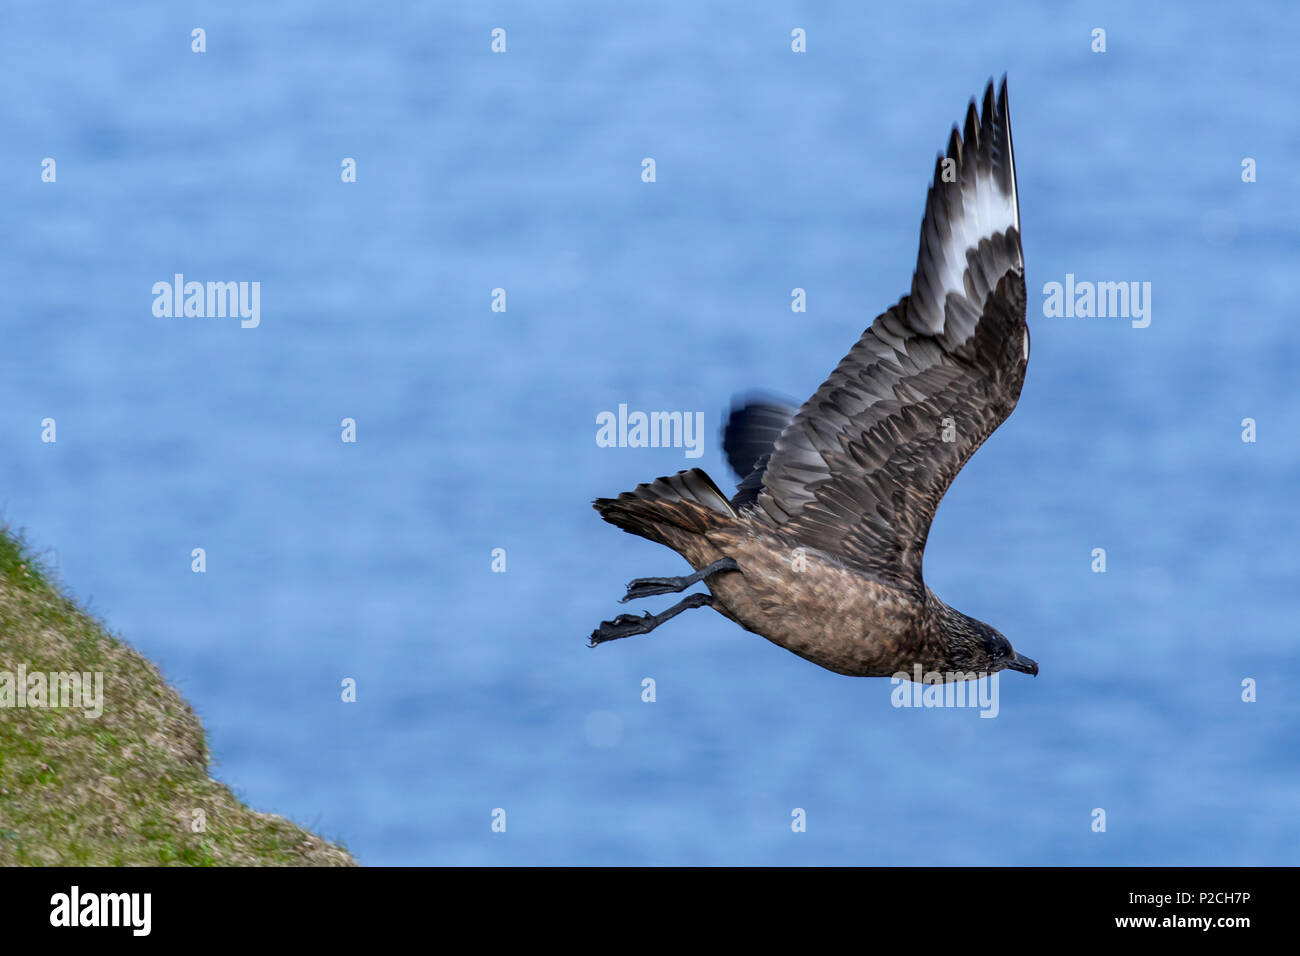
x,y
625,625
648,587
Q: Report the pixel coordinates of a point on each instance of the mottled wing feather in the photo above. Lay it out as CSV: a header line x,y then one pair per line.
x,y
861,469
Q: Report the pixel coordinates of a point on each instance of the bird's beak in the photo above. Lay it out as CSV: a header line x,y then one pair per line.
x,y
1023,664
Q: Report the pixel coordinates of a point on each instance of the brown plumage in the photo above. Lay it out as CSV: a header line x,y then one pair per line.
x,y
820,549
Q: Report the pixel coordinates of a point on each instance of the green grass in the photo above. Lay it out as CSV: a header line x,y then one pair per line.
x,y
120,789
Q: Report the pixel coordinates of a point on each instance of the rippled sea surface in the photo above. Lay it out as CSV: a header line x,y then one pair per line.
x,y
476,428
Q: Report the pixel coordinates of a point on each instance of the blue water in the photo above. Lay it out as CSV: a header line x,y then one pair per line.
x,y
476,429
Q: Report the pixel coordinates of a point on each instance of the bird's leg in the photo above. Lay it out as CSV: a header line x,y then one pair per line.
x,y
646,587
625,625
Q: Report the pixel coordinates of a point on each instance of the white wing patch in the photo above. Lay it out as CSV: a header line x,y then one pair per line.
x,y
986,211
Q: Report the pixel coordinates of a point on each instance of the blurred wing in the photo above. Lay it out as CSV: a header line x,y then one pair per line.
x,y
750,434
861,469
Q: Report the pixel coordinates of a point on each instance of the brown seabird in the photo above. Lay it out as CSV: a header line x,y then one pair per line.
x,y
820,548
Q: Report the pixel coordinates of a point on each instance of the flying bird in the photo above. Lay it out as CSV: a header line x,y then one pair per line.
x,y
820,548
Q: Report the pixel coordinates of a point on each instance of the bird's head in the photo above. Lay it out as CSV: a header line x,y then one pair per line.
x,y
974,646
1001,655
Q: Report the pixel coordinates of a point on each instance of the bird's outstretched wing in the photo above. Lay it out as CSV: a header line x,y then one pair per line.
x,y
862,467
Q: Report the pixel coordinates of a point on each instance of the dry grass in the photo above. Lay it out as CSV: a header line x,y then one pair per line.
x,y
119,790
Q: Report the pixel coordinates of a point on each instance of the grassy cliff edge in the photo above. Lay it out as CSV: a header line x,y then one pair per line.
x,y
130,786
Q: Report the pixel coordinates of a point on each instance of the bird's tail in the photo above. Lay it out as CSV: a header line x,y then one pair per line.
x,y
687,501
